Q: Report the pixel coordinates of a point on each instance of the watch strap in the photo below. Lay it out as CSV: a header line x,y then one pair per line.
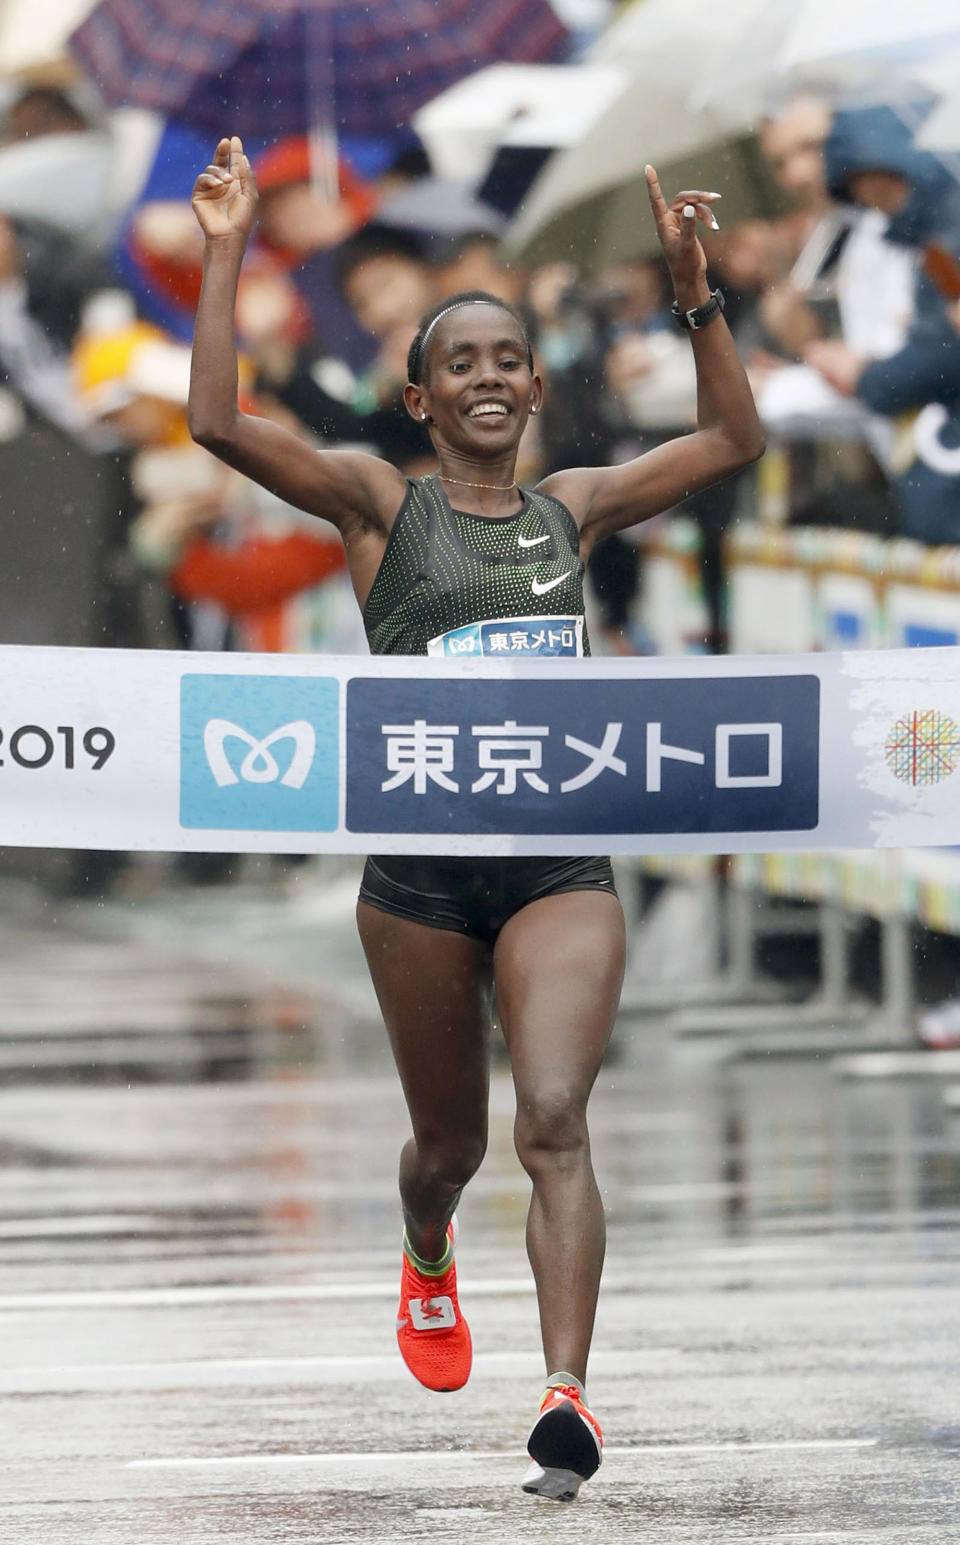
x,y
700,316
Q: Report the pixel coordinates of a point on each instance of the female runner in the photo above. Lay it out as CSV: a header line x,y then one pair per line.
x,y
426,556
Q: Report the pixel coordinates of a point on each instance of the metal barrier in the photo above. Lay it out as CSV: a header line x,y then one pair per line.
x,y
799,589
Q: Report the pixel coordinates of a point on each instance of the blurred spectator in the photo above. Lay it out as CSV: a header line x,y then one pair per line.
x,y
304,228
648,362
298,229
836,278
597,346
235,557
388,284
570,336
162,245
385,277
872,163
615,573
475,261
649,370
132,380
750,260
845,280
792,138
56,164
297,218
47,278
40,110
403,168
293,370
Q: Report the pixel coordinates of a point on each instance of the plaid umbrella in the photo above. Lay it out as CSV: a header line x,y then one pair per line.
x,y
267,68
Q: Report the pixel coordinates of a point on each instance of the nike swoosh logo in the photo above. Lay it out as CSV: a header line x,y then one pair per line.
x,y
550,584
532,541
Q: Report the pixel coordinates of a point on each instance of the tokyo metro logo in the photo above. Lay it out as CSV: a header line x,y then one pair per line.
x,y
259,753
259,765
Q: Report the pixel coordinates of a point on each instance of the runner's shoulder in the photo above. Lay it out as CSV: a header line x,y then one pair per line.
x,y
574,488
374,489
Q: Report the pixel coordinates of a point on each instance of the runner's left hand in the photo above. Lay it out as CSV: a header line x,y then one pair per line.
x,y
685,257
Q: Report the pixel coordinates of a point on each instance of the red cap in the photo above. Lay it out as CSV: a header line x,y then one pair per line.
x,y
288,162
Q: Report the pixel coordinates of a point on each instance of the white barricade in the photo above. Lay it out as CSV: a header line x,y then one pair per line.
x,y
672,605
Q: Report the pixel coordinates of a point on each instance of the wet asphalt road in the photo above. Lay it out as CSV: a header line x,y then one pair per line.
x,y
198,1133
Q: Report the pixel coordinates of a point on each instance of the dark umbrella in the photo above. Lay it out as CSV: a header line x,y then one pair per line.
x,y
267,68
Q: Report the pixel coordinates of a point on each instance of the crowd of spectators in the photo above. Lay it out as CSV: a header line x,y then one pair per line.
x,y
845,308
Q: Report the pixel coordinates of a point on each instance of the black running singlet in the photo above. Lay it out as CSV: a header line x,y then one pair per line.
x,y
467,586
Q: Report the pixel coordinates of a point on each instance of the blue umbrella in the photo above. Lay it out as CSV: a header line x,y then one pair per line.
x,y
268,68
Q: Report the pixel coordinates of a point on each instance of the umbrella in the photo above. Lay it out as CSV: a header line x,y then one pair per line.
x,y
64,179
33,38
825,29
268,68
699,77
615,225
590,204
942,129
439,206
873,49
547,105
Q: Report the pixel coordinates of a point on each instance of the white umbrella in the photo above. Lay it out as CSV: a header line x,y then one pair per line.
x,y
667,46
439,206
893,29
513,104
878,49
942,129
34,35
61,178
82,181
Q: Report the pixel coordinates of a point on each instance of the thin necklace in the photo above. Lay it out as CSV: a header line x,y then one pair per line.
x,y
501,488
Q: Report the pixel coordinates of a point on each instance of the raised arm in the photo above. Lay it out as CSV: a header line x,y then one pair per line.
x,y
728,434
346,487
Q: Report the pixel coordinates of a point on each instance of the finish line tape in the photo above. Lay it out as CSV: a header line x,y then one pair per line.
x,y
169,751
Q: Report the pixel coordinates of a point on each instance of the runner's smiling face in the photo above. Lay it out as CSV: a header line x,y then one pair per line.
x,y
476,384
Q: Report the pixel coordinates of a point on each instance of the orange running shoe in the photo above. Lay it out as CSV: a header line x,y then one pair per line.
x,y
566,1445
433,1336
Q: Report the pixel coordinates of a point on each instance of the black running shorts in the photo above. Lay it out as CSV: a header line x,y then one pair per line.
x,y
475,896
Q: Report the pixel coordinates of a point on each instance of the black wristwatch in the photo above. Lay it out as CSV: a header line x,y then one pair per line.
x,y
699,316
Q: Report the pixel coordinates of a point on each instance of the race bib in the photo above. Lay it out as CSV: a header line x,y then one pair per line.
x,y
553,637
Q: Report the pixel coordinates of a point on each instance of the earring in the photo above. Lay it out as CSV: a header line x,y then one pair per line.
x,y
533,410
423,416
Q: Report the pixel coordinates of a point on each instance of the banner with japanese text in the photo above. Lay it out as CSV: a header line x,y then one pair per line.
x,y
265,753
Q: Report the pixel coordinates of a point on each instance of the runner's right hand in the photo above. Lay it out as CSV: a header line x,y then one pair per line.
x,y
225,195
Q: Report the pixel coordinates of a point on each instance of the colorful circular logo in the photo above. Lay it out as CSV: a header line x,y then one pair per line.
x,y
923,747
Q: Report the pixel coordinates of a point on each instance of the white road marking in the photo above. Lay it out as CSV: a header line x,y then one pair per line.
x,y
256,1372
161,1298
776,1263
406,1458
903,1064
98,1225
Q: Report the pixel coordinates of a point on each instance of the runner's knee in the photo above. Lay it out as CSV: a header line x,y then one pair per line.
x,y
451,1160
550,1129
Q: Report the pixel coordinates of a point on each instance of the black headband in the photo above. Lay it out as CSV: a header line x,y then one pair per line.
x,y
457,304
